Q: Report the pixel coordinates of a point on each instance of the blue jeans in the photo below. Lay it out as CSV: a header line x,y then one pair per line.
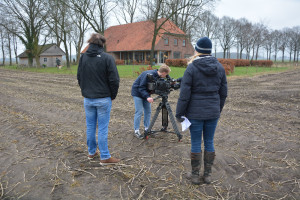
x,y
205,127
97,110
141,105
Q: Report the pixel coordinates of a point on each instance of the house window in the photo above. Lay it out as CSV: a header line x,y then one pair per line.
x,y
45,59
166,41
187,55
175,42
176,54
183,43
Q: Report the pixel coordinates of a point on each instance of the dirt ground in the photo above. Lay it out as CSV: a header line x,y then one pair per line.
x,y
43,153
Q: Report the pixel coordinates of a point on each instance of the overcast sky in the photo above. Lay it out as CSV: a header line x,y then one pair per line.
x,y
276,14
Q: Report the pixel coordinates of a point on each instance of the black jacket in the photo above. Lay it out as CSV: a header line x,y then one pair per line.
x,y
97,74
203,90
139,87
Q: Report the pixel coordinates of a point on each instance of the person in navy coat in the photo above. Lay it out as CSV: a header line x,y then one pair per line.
x,y
202,97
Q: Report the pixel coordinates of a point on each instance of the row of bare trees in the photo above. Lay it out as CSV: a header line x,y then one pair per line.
x,y
66,22
248,38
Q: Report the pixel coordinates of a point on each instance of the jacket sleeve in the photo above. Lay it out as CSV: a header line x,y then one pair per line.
x,y
185,93
79,70
223,91
113,78
143,87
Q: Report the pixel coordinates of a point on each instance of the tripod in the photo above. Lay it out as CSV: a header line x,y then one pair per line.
x,y
166,110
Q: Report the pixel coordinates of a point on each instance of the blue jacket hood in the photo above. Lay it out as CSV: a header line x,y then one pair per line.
x,y
207,64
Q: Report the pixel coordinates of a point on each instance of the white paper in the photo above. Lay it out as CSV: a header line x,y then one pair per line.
x,y
185,124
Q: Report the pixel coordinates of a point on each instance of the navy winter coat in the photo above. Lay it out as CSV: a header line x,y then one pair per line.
x,y
203,90
139,87
97,74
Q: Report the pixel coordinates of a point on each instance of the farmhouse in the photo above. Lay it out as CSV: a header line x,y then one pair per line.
x,y
132,42
48,56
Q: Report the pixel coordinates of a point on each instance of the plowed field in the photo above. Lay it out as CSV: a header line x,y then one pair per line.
x,y
43,153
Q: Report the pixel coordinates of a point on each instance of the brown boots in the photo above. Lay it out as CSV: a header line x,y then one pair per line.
x,y
209,158
196,166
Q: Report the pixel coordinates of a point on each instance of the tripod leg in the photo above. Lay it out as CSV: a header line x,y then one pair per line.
x,y
172,118
153,120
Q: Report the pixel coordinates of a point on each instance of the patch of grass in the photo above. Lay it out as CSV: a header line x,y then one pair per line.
x,y
252,71
50,70
129,71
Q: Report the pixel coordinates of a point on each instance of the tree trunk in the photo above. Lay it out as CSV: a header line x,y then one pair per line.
x,y
70,45
9,50
37,60
3,54
67,53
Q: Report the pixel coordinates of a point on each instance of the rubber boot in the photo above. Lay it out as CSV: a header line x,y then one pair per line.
x,y
209,158
196,165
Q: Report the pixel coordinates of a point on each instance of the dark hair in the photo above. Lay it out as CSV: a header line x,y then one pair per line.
x,y
97,38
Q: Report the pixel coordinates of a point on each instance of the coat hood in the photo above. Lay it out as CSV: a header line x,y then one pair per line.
x,y
207,64
94,50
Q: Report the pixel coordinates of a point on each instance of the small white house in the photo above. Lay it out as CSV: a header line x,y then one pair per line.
x,y
49,54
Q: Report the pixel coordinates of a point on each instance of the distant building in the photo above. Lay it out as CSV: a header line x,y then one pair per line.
x,y
49,54
132,42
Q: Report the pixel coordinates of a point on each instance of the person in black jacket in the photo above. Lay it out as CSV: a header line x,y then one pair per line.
x,y
99,80
142,98
202,97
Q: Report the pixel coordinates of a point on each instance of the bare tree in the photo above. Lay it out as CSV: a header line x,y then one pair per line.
x,y
295,42
3,44
243,27
268,44
283,42
26,15
206,25
95,12
276,35
186,18
226,33
58,19
154,10
127,10
79,28
257,39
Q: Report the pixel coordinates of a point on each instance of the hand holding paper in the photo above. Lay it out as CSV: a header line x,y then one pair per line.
x,y
185,124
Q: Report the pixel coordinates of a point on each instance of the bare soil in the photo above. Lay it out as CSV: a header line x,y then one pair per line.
x,y
43,153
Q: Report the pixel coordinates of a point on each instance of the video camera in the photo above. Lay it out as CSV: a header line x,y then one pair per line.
x,y
162,86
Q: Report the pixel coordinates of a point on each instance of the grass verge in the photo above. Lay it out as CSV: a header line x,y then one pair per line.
x,y
130,71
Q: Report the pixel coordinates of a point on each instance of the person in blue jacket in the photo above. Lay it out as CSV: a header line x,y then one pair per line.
x,y
202,97
142,97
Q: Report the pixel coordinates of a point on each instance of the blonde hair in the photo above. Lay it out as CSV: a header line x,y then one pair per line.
x,y
191,59
164,68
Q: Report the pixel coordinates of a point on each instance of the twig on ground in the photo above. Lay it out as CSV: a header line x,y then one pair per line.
x,y
13,188
121,192
218,192
239,162
81,170
256,183
19,197
130,190
142,193
2,191
264,195
34,174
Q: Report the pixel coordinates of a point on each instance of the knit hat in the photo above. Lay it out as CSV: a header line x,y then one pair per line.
x,y
204,45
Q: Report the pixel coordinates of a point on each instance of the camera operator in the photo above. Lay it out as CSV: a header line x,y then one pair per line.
x,y
99,80
142,97
202,97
